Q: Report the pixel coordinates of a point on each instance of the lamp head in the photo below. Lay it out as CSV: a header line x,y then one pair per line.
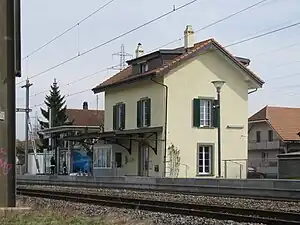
x,y
218,84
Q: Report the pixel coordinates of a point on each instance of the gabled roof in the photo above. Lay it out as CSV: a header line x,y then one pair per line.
x,y
126,75
85,117
285,121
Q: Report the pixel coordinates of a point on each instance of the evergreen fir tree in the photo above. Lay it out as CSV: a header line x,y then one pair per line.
x,y
57,103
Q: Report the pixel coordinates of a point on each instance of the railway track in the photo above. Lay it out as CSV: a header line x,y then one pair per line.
x,y
163,189
216,212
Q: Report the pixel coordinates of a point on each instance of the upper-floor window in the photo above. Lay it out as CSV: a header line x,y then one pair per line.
x,y
144,112
270,135
205,113
204,159
119,116
257,136
143,67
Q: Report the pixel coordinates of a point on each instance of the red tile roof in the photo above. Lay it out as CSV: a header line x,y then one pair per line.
x,y
284,120
126,74
86,117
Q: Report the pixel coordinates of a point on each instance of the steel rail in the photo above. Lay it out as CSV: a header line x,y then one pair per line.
x,y
167,188
208,211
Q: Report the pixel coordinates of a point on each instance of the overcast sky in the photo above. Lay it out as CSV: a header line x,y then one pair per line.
x,y
275,58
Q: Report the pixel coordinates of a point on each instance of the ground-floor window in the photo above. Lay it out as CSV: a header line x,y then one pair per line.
x,y
204,159
103,157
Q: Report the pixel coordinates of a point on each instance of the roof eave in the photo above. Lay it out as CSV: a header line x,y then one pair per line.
x,y
257,121
132,79
68,128
256,80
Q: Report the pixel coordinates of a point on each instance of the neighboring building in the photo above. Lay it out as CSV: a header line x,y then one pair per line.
x,y
85,116
84,121
272,131
167,97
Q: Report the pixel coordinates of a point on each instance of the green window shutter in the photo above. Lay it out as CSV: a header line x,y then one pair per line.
x,y
114,117
138,114
148,112
215,113
196,112
122,122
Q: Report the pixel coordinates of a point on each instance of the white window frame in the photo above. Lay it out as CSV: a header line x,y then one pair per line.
x,y
206,106
202,148
144,67
106,152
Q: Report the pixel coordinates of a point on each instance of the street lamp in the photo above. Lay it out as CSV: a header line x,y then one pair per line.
x,y
218,85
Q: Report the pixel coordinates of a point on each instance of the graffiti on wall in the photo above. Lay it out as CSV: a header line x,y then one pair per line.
x,y
4,166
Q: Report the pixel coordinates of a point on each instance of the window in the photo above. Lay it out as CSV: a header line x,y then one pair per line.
x,y
270,135
144,112
204,159
257,136
264,156
143,67
102,157
118,159
205,113
119,116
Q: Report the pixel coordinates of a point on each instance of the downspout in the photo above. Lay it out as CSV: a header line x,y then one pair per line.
x,y
166,123
255,90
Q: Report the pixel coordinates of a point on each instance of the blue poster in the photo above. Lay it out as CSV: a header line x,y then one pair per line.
x,y
82,161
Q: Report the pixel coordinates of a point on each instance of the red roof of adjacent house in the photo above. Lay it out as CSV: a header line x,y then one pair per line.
x,y
86,117
126,74
284,120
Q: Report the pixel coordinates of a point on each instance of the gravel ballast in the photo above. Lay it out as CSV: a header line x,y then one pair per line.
x,y
209,200
150,218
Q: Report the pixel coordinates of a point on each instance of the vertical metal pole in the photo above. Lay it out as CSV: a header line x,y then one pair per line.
x,y
7,104
219,134
11,103
3,99
27,86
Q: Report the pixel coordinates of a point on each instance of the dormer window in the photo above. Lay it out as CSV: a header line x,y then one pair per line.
x,y
143,67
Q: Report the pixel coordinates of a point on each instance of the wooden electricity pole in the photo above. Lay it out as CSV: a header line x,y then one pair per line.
x,y
9,69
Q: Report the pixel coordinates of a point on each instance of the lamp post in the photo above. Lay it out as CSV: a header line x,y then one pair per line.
x,y
218,85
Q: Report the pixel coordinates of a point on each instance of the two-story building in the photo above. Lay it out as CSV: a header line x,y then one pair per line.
x,y
161,113
272,131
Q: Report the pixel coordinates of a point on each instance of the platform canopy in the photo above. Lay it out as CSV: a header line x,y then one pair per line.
x,y
70,128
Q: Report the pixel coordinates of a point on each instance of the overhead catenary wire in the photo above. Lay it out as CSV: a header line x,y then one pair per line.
x,y
80,79
205,27
229,45
214,23
113,39
77,80
68,30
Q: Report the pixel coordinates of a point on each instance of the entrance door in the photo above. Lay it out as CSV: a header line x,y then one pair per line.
x,y
143,160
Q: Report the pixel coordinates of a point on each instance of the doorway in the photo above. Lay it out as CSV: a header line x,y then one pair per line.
x,y
143,169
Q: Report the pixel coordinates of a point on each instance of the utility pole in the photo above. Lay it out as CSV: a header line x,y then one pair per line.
x,y
122,54
27,110
9,68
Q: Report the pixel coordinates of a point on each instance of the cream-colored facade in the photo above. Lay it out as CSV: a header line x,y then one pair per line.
x,y
189,87
194,79
191,80
130,94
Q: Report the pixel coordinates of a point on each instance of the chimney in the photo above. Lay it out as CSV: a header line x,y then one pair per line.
x,y
85,105
188,37
139,51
